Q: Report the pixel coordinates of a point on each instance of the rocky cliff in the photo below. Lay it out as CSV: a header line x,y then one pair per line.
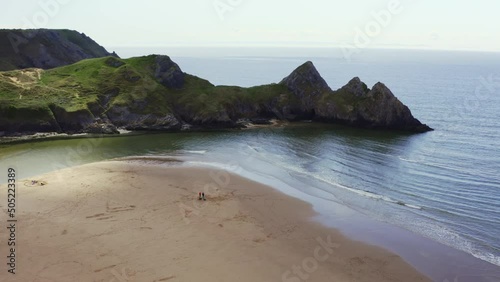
x,y
354,104
308,86
45,48
153,93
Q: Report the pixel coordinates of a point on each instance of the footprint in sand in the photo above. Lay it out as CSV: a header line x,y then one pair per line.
x,y
104,268
99,216
165,279
259,240
110,210
35,183
118,208
95,215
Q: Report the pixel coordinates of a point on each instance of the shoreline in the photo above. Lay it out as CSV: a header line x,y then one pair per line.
x,y
26,137
256,232
51,136
434,259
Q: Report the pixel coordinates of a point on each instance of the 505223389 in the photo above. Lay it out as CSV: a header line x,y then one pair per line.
x,y
11,221
11,193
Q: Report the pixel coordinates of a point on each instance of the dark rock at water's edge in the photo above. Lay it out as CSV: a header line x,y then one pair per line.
x,y
354,104
46,48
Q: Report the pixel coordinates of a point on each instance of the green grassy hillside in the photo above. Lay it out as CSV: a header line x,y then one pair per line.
x,y
96,86
152,93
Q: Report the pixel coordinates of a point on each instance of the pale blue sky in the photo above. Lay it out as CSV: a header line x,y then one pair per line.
x,y
442,24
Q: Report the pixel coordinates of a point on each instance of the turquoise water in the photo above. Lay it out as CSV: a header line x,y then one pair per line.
x,y
443,185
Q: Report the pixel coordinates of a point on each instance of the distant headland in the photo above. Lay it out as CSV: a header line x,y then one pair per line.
x,y
63,81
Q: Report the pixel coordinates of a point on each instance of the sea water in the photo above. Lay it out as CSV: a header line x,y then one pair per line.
x,y
443,185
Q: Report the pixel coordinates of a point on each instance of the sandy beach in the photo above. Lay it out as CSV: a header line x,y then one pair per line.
x,y
142,221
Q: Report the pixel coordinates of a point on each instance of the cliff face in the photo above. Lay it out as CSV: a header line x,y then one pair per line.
x,y
354,104
307,85
45,48
168,73
153,93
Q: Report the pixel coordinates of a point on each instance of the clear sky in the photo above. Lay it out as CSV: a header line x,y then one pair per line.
x,y
427,24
